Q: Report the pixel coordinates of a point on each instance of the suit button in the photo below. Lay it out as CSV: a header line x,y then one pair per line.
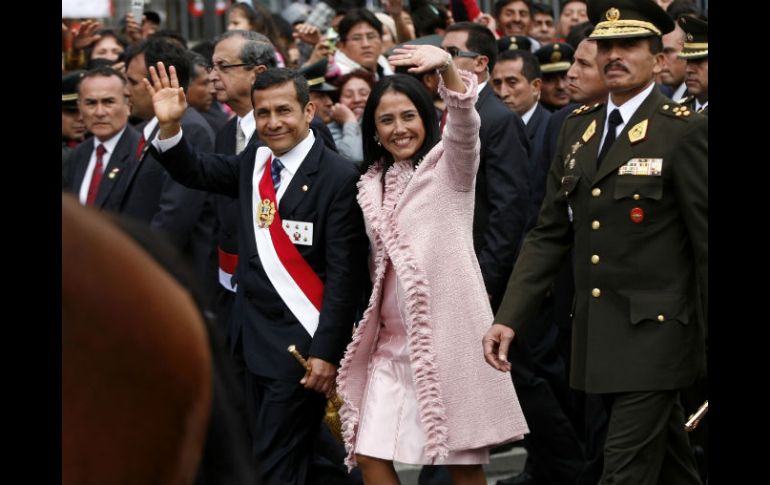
x,y
661,318
595,259
596,292
595,225
636,196
596,192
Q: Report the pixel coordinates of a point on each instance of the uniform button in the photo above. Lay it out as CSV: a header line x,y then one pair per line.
x,y
596,192
595,225
595,259
596,292
636,196
661,318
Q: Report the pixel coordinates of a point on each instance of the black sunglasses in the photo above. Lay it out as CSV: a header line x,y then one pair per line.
x,y
456,52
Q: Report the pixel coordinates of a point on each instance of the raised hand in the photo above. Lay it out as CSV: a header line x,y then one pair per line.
x,y
307,33
168,98
84,35
425,58
133,28
496,343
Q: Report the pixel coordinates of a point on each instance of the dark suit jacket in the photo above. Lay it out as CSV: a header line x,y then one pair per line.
x,y
337,256
185,215
536,135
502,191
110,188
215,118
636,325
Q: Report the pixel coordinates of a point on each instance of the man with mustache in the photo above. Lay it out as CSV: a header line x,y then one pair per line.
x,y
628,190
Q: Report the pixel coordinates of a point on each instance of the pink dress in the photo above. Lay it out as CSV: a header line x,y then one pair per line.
x,y
390,426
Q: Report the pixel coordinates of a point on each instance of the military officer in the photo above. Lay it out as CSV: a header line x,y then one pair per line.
x,y
696,52
628,190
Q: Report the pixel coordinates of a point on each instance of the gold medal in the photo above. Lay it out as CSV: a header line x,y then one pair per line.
x,y
265,213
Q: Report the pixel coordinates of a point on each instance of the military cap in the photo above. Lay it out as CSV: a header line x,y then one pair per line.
x,y
513,42
555,57
316,76
618,19
69,90
696,44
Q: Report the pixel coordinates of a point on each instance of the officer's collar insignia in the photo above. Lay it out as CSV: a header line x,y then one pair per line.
x,y
638,132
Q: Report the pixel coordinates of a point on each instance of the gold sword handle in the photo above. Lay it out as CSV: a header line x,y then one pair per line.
x,y
293,351
696,417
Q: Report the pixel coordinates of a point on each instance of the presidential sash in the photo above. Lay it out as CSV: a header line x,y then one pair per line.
x,y
291,276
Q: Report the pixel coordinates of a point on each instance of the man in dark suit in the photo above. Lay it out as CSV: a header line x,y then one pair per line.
x,y
200,94
151,195
306,209
502,187
97,166
628,189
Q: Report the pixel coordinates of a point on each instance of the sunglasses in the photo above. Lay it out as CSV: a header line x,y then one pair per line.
x,y
456,52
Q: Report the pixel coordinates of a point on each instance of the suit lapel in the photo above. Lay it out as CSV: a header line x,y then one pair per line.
x,y
303,178
622,150
134,167
81,166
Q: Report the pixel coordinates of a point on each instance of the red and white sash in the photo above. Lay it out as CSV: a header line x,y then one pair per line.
x,y
292,277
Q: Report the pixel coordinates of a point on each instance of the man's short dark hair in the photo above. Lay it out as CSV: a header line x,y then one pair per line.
x,y
500,4
429,17
276,76
204,48
102,71
195,61
355,16
257,50
530,67
542,8
480,39
171,35
160,49
578,33
678,8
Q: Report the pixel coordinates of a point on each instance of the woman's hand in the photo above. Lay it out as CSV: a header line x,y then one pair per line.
x,y
425,58
342,114
85,35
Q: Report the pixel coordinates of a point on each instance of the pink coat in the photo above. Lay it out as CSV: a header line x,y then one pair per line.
x,y
463,402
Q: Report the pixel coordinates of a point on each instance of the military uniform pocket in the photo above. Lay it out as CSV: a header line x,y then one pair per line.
x,y
638,187
658,307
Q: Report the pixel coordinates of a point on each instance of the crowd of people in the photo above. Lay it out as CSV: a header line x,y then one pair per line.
x,y
479,228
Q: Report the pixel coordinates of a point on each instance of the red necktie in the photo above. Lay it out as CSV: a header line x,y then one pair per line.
x,y
96,176
140,147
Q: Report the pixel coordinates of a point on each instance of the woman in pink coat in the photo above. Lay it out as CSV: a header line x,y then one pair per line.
x,y
415,388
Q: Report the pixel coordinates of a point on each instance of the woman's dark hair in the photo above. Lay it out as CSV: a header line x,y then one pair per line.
x,y
417,94
104,33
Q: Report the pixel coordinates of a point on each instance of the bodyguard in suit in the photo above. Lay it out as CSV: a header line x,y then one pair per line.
x,y
502,186
628,189
186,216
302,258
98,164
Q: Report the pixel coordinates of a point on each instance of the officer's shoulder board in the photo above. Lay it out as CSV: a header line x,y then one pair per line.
x,y
586,108
676,110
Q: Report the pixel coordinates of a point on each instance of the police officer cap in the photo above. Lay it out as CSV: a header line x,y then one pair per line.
x,y
618,19
513,42
555,57
69,90
316,76
696,43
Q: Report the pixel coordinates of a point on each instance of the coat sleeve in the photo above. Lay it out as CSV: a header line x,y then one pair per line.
x,y
460,161
691,187
505,161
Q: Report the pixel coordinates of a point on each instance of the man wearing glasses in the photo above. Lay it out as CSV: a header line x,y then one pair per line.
x,y
360,44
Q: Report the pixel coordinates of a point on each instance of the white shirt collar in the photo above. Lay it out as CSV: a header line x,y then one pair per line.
x,y
628,108
699,106
110,144
481,86
248,125
528,115
292,160
679,93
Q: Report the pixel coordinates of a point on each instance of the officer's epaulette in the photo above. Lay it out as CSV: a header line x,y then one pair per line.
x,y
676,110
586,108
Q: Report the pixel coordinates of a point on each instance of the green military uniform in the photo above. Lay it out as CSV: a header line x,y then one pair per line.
x,y
639,229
